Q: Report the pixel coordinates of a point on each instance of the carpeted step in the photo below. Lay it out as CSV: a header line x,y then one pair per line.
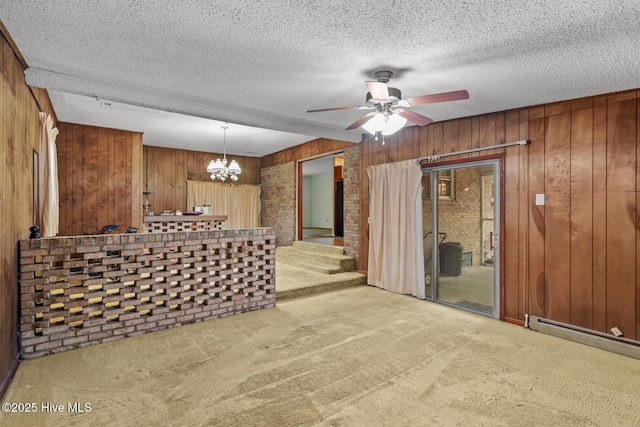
x,y
326,263
318,248
320,288
294,282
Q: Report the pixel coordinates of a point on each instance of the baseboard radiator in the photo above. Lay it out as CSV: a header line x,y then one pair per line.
x,y
596,339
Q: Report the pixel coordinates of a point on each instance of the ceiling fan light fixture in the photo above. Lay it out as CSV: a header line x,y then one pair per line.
x,y
387,124
374,124
394,123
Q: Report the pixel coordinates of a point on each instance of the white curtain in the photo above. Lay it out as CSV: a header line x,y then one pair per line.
x,y
48,177
395,231
240,202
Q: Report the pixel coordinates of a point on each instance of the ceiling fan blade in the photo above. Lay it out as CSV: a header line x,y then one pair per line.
x,y
334,109
378,90
360,121
360,107
416,118
439,97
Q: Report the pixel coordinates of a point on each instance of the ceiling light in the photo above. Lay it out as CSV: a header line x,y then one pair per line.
x,y
218,168
384,123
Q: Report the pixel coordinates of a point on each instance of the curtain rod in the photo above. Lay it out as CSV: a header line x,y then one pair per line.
x,y
437,157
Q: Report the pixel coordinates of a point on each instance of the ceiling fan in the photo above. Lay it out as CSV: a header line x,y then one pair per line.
x,y
390,110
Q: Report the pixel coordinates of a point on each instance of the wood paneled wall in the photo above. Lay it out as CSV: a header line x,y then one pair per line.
x,y
19,124
166,171
575,259
99,177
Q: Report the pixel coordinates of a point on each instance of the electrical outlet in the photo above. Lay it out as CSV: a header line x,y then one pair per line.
x,y
617,332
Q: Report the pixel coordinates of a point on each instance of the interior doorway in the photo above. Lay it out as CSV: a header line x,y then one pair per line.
x,y
320,200
460,215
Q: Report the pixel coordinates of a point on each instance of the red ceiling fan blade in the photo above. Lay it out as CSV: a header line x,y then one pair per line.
x,y
378,90
334,109
360,121
439,97
416,118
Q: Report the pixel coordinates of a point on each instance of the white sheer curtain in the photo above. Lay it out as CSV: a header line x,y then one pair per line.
x,y
395,231
240,202
48,176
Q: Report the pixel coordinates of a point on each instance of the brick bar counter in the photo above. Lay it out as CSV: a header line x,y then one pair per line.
x,y
84,290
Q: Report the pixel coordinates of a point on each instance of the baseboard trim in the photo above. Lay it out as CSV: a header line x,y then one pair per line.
x,y
514,321
600,340
7,380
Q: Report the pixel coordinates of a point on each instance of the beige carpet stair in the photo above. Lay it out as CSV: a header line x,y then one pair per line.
x,y
315,257
305,269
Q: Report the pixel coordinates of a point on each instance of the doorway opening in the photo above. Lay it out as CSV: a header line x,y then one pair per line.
x,y
320,200
461,223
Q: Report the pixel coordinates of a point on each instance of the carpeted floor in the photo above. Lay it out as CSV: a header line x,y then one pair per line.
x,y
355,357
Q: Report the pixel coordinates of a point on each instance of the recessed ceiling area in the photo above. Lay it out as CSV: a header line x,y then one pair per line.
x,y
178,71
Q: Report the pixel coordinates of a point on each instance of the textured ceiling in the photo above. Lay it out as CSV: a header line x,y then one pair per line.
x,y
262,64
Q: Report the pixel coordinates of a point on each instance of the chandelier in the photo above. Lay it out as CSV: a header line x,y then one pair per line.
x,y
219,169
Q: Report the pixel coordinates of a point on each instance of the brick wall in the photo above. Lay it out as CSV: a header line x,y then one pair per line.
x,y
85,290
351,201
459,218
279,201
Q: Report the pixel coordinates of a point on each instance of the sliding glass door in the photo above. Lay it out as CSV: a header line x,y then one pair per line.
x,y
461,223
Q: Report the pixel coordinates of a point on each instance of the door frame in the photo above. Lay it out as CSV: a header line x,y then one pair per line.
x,y
499,187
299,187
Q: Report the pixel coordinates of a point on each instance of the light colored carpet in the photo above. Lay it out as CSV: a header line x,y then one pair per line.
x,y
355,357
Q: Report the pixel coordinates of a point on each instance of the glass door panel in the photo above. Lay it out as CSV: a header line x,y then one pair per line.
x,y
459,235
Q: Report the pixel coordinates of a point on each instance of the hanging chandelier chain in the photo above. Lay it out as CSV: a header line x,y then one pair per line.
x,y
224,149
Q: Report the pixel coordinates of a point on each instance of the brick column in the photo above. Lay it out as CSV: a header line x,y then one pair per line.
x,y
279,201
352,202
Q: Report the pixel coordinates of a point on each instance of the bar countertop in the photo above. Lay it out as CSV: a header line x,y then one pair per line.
x,y
183,218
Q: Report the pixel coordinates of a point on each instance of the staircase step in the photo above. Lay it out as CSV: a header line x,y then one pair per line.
x,y
294,282
312,266
321,262
318,248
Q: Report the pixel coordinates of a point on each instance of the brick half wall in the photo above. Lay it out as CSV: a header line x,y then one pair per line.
x,y
85,290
